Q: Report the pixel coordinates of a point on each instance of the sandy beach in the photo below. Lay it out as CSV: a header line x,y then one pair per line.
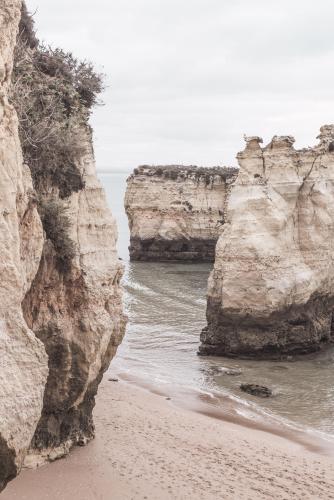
x,y
147,448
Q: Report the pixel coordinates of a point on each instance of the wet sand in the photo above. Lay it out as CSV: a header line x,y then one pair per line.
x,y
147,448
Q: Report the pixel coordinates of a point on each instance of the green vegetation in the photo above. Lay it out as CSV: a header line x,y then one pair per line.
x,y
56,225
52,93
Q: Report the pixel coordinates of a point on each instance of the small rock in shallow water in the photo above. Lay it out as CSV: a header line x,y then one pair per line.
x,y
231,371
279,368
113,379
257,390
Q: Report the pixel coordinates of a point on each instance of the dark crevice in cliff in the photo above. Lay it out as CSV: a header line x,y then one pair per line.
x,y
306,177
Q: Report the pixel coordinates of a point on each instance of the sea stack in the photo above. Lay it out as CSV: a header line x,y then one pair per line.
x,y
271,292
176,213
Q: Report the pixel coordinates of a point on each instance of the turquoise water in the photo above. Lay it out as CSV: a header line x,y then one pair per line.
x,y
166,304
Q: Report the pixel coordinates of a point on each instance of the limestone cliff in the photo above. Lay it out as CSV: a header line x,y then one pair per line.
x,y
77,315
60,273
176,212
23,362
271,291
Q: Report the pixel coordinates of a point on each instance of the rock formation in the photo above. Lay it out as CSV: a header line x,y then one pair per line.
x,y
61,311
176,212
77,315
271,291
23,362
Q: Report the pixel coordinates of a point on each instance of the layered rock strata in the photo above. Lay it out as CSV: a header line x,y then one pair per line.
x,y
77,315
271,292
176,212
61,312
23,361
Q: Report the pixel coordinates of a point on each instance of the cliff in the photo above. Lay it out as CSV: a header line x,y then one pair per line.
x,y
176,212
271,291
77,315
61,310
22,356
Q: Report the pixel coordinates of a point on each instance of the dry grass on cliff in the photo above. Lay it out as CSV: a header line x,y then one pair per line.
x,y
27,28
43,107
53,94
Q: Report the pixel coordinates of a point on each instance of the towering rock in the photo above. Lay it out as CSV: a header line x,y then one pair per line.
x,y
176,212
271,292
60,296
23,361
77,314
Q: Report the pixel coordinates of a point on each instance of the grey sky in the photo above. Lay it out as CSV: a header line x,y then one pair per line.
x,y
187,78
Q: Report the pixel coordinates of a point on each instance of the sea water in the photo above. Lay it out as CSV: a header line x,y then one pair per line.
x,y
165,304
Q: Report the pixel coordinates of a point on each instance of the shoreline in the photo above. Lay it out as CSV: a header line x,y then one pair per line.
x,y
149,448
228,409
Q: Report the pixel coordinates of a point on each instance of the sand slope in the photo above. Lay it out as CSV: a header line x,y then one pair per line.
x,y
147,448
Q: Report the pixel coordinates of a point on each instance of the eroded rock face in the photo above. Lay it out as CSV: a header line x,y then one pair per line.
x,y
78,316
23,361
176,212
61,320
271,292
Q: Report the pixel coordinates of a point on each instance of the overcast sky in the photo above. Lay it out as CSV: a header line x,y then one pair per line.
x,y
187,78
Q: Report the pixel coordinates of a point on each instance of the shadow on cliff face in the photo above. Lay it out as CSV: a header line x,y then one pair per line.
x,y
163,250
8,469
58,310
62,419
296,330
68,374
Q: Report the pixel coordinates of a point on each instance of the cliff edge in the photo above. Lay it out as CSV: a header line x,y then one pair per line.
x,y
271,291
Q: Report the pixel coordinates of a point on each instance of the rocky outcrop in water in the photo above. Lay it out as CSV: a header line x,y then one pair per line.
x,y
61,310
271,292
176,212
257,390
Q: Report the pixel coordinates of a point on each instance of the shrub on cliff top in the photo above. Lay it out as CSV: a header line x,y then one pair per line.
x,y
56,225
27,33
53,93
79,75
